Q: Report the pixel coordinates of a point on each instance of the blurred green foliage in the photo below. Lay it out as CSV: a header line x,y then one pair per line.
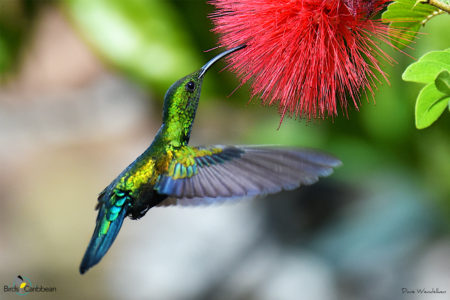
x,y
146,39
16,17
156,42
153,42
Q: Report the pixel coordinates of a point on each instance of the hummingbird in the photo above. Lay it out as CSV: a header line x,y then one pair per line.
x,y
169,172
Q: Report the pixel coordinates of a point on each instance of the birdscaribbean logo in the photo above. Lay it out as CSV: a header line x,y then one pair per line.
x,y
23,286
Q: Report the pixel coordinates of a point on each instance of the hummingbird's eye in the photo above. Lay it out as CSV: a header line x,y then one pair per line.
x,y
190,86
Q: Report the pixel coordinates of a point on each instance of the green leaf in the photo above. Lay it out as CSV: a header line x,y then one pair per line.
x,y
430,104
405,18
426,69
443,82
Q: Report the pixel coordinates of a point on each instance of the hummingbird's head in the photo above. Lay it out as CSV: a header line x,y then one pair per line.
x,y
181,99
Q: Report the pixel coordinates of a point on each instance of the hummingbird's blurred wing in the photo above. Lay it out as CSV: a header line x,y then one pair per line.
x,y
206,175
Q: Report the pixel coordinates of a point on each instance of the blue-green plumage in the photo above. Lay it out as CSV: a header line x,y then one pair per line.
x,y
109,222
170,172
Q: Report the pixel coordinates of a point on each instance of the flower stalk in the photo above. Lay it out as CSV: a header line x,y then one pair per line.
x,y
444,6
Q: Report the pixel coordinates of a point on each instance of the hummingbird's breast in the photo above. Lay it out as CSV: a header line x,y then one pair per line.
x,y
142,173
139,178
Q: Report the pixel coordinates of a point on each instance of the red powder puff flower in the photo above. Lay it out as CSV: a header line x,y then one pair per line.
x,y
304,55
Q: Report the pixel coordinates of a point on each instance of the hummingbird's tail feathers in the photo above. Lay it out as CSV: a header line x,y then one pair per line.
x,y
230,172
106,230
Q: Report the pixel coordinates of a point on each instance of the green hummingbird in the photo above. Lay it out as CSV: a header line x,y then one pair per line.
x,y
170,172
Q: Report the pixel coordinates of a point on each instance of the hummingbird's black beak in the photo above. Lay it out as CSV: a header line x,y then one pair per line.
x,y
217,58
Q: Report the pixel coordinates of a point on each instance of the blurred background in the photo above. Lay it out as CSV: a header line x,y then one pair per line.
x,y
81,90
